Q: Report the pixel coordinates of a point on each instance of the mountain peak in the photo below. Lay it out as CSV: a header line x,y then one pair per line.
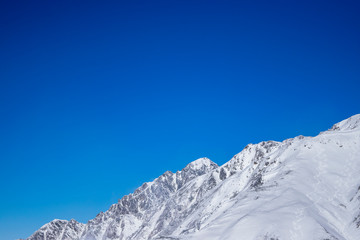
x,y
59,229
348,124
201,163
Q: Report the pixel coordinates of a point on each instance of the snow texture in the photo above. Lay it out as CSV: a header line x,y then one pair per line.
x,y
301,188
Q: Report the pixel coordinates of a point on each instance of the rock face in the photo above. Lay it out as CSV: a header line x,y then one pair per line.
x,y
59,230
301,188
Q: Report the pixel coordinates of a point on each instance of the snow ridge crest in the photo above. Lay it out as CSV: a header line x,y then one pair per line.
x,y
352,123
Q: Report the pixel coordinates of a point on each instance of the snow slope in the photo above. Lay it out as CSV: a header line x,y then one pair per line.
x,y
301,188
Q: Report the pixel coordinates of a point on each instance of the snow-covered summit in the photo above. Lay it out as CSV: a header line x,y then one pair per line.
x,y
301,188
349,124
202,163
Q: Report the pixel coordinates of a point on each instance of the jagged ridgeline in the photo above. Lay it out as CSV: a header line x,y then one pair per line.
x,y
301,188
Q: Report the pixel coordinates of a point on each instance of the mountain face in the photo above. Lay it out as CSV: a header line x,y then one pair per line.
x,y
59,229
301,188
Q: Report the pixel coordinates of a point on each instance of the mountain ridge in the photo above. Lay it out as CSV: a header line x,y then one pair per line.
x,y
190,203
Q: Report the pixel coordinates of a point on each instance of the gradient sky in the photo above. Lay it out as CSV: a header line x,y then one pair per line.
x,y
97,97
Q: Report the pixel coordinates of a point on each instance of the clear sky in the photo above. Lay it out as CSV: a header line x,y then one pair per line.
x,y
97,97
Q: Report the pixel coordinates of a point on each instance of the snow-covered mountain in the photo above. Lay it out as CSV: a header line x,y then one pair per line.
x,y
301,188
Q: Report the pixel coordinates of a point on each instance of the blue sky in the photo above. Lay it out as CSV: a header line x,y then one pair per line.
x,y
97,97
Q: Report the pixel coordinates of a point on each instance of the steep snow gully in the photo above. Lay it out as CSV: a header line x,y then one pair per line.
x,y
301,188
